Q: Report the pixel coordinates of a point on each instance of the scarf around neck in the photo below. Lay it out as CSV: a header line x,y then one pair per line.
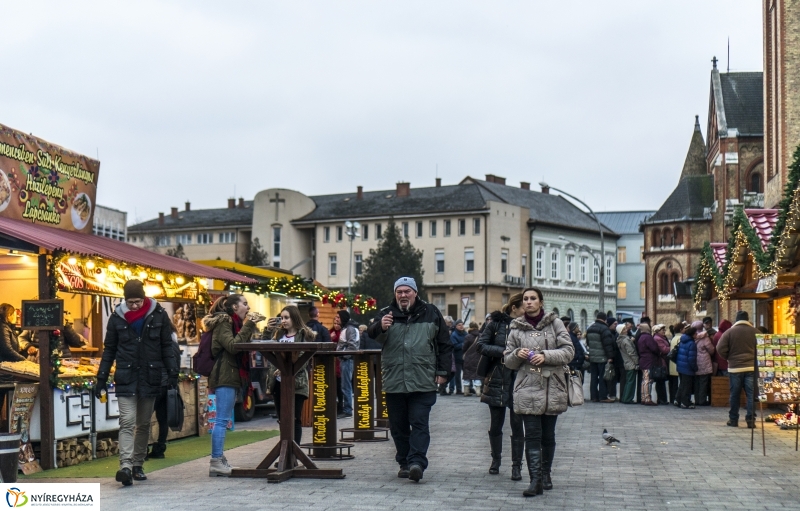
x,y
534,320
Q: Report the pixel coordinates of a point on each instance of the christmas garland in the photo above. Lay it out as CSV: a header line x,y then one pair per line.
x,y
787,208
359,303
741,226
79,383
707,274
298,287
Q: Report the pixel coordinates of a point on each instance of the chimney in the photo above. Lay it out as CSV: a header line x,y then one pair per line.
x,y
403,189
438,182
525,185
546,189
360,193
161,219
231,203
241,202
188,206
174,213
491,178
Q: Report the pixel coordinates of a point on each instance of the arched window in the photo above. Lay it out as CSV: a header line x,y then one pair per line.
x,y
555,309
656,238
667,237
663,284
755,182
584,319
678,236
674,279
571,315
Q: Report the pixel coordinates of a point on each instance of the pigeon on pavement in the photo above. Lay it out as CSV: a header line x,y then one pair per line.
x,y
609,438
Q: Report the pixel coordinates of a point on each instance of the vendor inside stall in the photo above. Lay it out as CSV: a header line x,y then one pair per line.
x,y
9,344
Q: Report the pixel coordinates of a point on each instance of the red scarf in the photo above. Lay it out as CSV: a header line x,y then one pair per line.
x,y
133,316
237,323
242,358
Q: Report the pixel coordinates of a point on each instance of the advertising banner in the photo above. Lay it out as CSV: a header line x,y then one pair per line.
x,y
44,183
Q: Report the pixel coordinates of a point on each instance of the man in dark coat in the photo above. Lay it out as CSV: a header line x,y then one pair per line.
x,y
139,338
323,335
601,352
416,358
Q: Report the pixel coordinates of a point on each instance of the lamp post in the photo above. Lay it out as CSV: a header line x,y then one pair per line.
x,y
602,245
352,231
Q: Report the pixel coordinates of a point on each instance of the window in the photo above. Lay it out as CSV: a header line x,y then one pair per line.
x,y
447,227
378,231
419,229
609,272
205,238
326,234
433,229
583,268
571,315
596,272
365,232
570,267
622,290
476,226
469,260
554,263
583,319
755,182
439,261
505,297
621,255
539,263
524,267
227,237
663,284
555,311
656,238
339,233
438,299
666,238
276,247
504,262
462,227
678,236
405,229
358,260
642,290
161,241
332,265
183,239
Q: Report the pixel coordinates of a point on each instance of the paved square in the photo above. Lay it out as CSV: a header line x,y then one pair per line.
x,y
667,459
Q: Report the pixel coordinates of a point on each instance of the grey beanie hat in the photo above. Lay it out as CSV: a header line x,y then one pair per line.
x,y
406,281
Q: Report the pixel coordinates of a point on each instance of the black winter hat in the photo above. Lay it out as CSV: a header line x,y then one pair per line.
x,y
133,289
344,316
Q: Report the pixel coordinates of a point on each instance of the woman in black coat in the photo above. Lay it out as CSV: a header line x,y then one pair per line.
x,y
498,387
9,344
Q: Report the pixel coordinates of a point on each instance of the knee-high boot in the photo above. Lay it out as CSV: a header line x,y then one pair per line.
x,y
517,448
534,457
496,443
547,462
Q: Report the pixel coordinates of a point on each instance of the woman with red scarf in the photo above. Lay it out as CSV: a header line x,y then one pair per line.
x,y
139,339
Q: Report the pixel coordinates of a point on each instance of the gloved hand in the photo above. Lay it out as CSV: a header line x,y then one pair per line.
x,y
100,387
173,382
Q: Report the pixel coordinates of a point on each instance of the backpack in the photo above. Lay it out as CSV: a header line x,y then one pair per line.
x,y
203,361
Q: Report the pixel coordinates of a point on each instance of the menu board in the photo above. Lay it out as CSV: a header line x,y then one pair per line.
x,y
44,183
42,314
778,364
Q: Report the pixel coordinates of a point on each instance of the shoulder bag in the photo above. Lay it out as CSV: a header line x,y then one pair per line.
x,y
610,374
574,388
659,373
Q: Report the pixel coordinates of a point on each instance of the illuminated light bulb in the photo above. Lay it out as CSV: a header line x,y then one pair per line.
x,y
89,265
159,277
111,267
127,272
72,260
179,280
142,275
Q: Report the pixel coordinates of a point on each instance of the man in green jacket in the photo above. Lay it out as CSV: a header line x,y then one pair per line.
x,y
416,358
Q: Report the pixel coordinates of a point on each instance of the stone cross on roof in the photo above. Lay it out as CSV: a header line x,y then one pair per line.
x,y
277,200
714,61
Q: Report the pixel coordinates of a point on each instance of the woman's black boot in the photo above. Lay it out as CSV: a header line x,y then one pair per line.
x,y
548,452
534,457
517,448
496,443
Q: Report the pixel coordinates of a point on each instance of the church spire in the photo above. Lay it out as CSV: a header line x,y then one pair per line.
x,y
695,163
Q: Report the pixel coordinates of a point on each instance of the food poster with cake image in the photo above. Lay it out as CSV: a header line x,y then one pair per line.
x,y
44,183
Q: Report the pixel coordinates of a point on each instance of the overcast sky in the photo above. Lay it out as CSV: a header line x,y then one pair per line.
x,y
193,100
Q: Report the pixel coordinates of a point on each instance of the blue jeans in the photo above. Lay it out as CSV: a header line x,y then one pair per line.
x,y
737,381
347,386
408,421
226,398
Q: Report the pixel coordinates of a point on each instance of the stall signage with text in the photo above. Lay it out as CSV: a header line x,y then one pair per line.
x,y
44,183
78,278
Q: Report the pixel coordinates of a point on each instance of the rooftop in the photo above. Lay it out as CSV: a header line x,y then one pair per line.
x,y
739,102
240,214
763,221
688,201
624,222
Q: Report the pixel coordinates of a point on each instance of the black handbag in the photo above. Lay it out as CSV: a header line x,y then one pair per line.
x,y
659,373
174,410
673,354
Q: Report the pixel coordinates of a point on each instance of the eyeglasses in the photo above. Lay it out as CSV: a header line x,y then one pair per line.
x,y
134,303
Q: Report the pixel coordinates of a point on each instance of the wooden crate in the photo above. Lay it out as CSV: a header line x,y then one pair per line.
x,y
721,392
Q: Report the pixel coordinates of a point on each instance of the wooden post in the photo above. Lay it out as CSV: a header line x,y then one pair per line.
x,y
47,420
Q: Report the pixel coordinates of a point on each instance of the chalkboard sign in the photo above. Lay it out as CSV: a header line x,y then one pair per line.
x,y
42,314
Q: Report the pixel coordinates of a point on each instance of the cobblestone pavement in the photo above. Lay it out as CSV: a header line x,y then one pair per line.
x,y
667,459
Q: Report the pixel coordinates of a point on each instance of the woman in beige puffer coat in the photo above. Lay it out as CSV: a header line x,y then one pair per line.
x,y
539,349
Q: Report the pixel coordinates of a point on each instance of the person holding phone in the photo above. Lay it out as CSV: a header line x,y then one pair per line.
x,y
416,358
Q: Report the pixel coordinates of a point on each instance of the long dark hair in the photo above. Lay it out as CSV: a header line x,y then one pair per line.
x,y
6,310
297,323
514,301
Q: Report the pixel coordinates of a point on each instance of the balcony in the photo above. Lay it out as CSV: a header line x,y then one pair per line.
x,y
666,298
514,281
753,200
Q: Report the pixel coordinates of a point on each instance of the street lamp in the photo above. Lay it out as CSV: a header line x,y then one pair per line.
x,y
602,245
352,230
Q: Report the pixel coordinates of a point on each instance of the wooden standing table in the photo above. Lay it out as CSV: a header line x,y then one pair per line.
x,y
289,358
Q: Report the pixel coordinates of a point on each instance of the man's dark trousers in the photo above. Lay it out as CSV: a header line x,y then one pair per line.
x,y
409,414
